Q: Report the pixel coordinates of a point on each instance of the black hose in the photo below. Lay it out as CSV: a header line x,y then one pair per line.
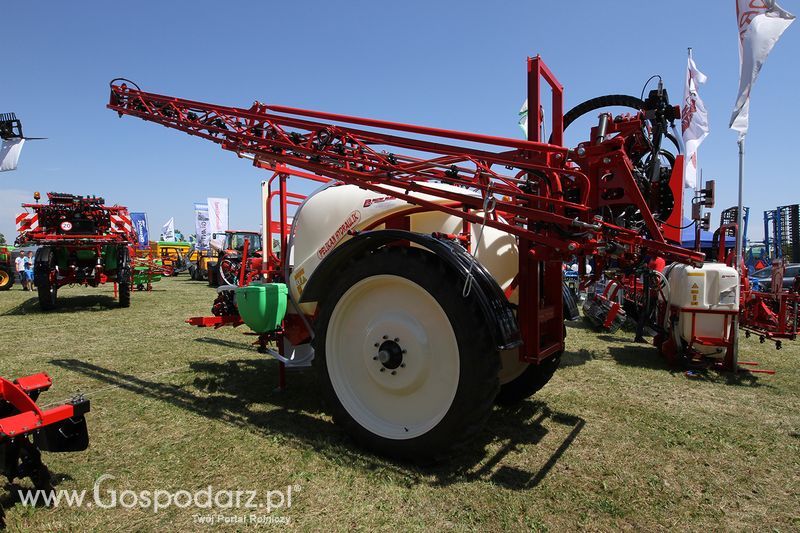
x,y
599,102
111,83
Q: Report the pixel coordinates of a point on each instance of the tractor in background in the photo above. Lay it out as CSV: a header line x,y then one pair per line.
x,y
7,270
81,241
224,270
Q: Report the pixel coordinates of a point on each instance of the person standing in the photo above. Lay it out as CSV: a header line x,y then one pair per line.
x,y
19,264
29,270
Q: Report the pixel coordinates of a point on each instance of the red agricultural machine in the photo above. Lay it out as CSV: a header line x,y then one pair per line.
x,y
81,241
26,429
424,275
772,315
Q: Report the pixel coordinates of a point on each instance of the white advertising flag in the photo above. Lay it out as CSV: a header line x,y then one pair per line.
x,y
694,121
761,23
168,230
217,219
523,118
201,225
9,153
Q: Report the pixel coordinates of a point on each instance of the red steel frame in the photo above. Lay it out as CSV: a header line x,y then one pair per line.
x,y
771,315
30,416
527,181
726,341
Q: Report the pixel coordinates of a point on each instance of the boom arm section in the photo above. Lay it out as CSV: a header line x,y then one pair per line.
x,y
538,190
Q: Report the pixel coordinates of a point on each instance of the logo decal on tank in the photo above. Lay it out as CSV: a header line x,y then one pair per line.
x,y
341,231
372,201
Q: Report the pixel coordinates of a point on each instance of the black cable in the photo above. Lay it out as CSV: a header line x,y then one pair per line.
x,y
692,223
651,78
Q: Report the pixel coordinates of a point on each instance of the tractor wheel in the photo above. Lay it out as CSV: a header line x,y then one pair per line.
x,y
228,270
406,363
43,266
213,275
6,278
124,279
519,381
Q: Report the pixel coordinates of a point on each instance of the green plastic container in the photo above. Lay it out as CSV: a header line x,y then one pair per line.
x,y
262,306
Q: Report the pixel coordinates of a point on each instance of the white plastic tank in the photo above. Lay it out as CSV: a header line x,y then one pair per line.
x,y
714,286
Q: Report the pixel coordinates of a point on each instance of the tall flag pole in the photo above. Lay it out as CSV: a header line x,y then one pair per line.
x,y
761,24
694,121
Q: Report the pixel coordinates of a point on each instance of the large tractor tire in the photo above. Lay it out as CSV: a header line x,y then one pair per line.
x,y
124,277
6,278
228,271
213,275
407,365
519,381
43,266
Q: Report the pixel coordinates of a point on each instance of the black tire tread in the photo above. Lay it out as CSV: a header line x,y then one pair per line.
x,y
43,264
529,382
124,278
475,406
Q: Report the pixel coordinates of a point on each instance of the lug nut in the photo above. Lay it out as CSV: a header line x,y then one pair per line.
x,y
402,365
385,337
396,339
383,369
376,344
394,372
375,358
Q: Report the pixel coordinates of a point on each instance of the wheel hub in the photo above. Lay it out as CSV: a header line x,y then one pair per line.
x,y
390,354
395,370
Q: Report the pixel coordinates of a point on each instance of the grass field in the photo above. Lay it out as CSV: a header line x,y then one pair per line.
x,y
616,441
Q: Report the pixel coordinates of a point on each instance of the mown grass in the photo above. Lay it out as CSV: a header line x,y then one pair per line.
x,y
617,440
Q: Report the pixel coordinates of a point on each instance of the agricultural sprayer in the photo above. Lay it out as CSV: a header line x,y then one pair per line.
x,y
424,275
81,241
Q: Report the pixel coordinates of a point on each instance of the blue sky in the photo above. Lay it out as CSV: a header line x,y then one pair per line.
x,y
453,64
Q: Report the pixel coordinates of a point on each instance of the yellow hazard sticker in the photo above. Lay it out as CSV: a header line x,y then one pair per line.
x,y
300,280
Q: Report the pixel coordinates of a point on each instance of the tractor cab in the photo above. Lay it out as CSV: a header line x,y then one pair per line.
x,y
229,258
234,242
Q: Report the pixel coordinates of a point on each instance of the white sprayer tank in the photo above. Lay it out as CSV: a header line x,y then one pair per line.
x,y
714,286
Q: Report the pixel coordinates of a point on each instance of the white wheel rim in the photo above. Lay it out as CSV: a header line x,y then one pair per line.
x,y
511,367
394,310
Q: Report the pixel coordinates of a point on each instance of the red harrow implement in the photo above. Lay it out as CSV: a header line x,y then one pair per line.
x,y
81,241
775,314
26,429
481,223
